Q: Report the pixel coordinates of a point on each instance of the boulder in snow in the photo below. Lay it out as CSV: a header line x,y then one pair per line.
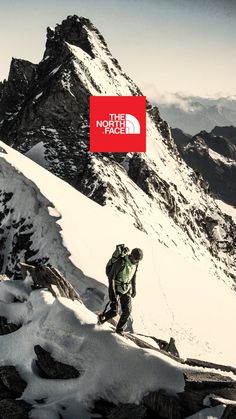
x,y
10,379
50,368
200,385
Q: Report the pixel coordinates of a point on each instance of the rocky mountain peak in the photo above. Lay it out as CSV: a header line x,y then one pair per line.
x,y
74,30
20,67
219,144
13,92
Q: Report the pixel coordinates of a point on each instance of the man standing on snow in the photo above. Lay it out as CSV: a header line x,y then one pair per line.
x,y
122,286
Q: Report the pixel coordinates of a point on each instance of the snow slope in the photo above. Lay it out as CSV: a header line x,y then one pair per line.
x,y
60,324
110,366
176,296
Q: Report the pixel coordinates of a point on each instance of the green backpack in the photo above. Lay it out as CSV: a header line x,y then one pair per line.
x,y
120,252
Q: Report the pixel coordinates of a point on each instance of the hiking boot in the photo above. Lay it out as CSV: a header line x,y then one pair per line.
x,y
101,319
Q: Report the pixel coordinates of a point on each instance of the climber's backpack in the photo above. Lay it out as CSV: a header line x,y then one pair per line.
x,y
120,252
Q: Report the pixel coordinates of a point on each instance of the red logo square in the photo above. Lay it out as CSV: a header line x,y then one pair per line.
x,y
117,123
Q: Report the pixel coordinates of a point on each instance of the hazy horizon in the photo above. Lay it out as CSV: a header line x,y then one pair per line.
x,y
163,45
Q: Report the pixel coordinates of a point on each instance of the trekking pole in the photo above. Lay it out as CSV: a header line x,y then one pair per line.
x,y
105,309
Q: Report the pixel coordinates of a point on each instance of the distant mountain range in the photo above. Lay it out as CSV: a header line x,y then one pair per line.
x,y
194,114
213,155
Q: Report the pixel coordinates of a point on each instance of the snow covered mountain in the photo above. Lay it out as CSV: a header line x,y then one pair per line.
x,y
45,219
194,114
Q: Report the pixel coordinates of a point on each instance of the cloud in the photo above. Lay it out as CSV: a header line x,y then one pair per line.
x,y
186,101
181,100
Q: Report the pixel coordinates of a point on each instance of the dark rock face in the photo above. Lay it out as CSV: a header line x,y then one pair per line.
x,y
150,182
219,144
50,368
162,127
218,170
162,404
122,411
14,409
228,132
180,137
71,30
13,92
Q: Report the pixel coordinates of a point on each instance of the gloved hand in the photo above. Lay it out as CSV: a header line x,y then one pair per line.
x,y
133,293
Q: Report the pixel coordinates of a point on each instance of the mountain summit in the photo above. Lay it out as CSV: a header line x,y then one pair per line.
x,y
75,31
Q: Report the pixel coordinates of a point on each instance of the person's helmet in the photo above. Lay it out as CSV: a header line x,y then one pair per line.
x,y
137,254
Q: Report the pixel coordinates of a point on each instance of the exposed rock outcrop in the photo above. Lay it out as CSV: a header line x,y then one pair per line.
x,y
48,277
50,368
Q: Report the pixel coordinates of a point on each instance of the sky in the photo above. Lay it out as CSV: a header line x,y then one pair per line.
x,y
165,46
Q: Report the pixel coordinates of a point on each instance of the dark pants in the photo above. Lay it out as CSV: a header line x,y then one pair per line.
x,y
126,307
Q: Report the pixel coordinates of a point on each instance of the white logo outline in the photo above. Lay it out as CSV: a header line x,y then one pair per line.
x,y
132,125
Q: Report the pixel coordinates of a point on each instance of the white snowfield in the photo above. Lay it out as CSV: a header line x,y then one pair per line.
x,y
176,296
219,158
